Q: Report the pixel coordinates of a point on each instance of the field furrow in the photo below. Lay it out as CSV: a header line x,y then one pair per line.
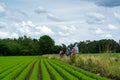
x,y
45,74
66,75
41,68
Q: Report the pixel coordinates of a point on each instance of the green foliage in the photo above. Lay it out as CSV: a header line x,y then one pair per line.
x,y
54,73
45,74
2,75
25,72
100,46
46,44
34,75
13,74
68,67
57,49
49,68
66,75
74,72
72,58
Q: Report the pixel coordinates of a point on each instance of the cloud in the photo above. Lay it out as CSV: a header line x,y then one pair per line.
x,y
63,33
102,33
2,24
95,18
8,35
4,34
45,30
108,35
16,15
105,3
67,40
13,35
22,13
53,18
112,27
67,30
40,9
2,9
25,23
117,16
25,27
31,29
99,31
49,15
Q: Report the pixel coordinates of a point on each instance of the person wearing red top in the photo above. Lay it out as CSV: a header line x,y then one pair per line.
x,y
73,51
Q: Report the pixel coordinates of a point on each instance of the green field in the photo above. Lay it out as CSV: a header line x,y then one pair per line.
x,y
105,64
40,68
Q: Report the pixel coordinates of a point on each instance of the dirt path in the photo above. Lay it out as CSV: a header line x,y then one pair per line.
x,y
29,73
39,72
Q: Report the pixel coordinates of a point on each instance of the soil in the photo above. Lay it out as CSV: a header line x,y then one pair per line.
x,y
29,73
39,72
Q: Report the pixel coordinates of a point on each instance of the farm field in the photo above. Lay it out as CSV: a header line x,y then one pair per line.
x,y
40,68
103,64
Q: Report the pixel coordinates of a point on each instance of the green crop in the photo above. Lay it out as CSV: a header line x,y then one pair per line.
x,y
64,73
34,75
53,72
45,74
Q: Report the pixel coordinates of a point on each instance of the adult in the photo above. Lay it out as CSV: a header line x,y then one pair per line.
x,y
72,51
61,53
76,49
68,51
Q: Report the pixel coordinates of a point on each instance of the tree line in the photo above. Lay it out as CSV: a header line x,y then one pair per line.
x,y
46,45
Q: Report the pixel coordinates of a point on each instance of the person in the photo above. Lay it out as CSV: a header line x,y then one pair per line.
x,y
61,53
68,51
72,51
76,49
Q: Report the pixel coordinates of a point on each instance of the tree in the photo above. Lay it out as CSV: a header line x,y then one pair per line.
x,y
57,48
4,50
46,44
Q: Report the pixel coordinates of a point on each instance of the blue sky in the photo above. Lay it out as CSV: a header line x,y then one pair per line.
x,y
66,21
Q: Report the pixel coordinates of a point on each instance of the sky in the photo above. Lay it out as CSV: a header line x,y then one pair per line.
x,y
65,21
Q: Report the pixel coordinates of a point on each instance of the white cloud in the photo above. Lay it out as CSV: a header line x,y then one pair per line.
x,y
112,27
45,30
66,41
4,34
25,23
95,18
8,35
99,31
116,14
2,24
53,17
25,27
13,35
31,29
2,9
67,30
108,35
40,9
63,34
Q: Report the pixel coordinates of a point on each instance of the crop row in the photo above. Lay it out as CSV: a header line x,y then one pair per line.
x,y
40,68
76,70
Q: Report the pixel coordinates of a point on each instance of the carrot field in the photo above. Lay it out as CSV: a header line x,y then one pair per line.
x,y
40,68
